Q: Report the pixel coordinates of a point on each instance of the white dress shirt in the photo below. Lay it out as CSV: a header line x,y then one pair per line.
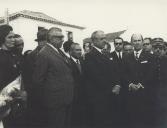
x,y
118,54
98,49
139,52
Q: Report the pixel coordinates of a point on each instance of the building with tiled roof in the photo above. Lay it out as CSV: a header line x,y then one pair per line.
x,y
27,23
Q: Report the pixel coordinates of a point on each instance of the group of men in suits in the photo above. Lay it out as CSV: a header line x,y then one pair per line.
x,y
102,89
126,89
52,81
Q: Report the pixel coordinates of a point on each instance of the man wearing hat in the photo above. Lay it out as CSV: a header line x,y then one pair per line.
x,y
159,82
28,68
41,37
158,47
54,83
31,57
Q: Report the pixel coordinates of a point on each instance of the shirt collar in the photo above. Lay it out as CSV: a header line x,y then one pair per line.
x,y
75,60
53,47
139,52
118,52
98,49
67,54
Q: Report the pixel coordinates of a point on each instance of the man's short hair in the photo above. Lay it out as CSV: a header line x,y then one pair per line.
x,y
74,44
135,34
148,38
94,34
54,29
125,43
67,45
84,44
118,38
17,36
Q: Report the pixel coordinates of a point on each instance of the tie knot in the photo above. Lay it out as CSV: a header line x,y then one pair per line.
x,y
119,55
137,55
77,61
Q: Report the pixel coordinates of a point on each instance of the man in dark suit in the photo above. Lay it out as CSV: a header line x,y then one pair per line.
x,y
28,69
127,48
118,57
159,82
138,75
54,82
30,59
75,52
106,50
147,47
101,83
117,53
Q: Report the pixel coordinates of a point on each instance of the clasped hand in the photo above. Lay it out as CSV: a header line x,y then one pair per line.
x,y
135,87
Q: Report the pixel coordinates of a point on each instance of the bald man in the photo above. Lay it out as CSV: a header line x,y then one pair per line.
x,y
138,72
102,84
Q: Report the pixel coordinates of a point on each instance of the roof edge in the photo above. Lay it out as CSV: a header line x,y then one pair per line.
x,y
20,14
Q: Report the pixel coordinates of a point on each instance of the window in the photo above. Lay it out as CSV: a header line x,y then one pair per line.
x,y
69,36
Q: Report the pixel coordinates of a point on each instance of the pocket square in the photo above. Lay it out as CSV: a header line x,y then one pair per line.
x,y
144,62
111,58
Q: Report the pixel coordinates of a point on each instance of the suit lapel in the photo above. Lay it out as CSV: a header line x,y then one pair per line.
x,y
115,55
57,54
98,54
142,56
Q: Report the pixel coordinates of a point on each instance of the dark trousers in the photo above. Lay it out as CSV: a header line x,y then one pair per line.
x,y
59,117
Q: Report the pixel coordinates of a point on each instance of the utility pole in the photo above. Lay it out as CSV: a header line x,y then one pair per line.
x,y
6,16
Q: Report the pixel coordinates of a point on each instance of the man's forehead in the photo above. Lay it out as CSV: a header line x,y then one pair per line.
x,y
100,34
11,33
118,40
76,46
55,31
136,36
128,46
146,41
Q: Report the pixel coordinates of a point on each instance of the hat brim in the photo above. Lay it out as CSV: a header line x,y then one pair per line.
x,y
38,40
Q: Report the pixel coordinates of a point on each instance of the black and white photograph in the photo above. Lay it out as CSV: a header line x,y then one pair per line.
x,y
83,64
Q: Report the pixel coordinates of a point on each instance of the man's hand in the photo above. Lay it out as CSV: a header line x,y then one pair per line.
x,y
133,87
140,86
116,89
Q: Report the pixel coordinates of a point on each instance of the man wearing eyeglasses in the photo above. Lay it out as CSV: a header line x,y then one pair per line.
x,y
117,56
101,84
118,44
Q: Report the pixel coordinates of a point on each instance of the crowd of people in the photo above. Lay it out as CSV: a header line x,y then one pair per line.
x,y
56,85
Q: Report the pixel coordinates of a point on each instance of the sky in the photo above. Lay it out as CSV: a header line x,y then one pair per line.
x,y
148,17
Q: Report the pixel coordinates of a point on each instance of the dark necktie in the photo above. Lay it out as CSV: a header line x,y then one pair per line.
x,y
137,55
119,55
78,65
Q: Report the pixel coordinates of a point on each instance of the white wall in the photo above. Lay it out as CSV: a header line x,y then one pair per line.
x,y
28,28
